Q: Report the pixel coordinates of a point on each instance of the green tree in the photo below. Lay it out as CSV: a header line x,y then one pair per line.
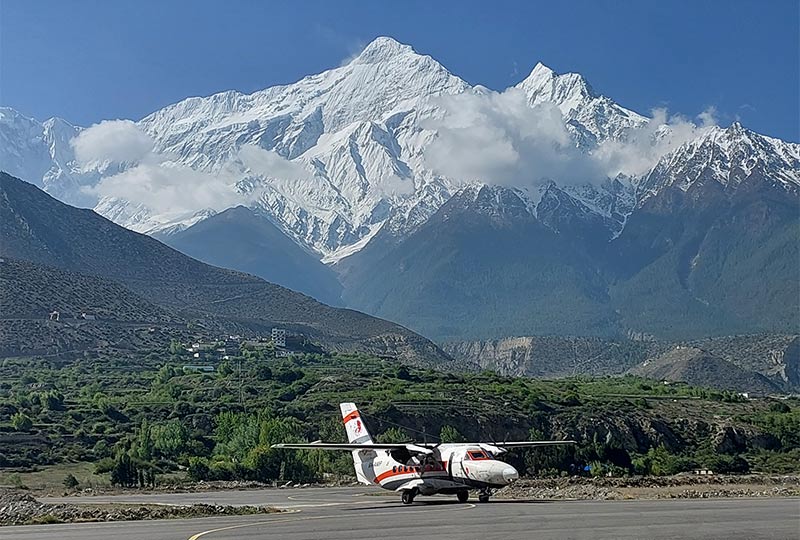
x,y
449,434
21,421
170,439
124,472
198,469
144,441
164,374
70,482
52,400
225,369
265,463
393,435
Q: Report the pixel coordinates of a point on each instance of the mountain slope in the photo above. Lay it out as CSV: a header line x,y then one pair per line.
x,y
703,243
240,239
699,368
708,251
49,311
712,247
483,266
36,227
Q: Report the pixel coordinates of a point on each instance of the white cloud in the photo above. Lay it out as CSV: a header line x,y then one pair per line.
x,y
499,139
111,141
270,164
166,187
133,171
643,147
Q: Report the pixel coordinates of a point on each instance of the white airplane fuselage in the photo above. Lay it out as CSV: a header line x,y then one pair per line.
x,y
448,469
423,468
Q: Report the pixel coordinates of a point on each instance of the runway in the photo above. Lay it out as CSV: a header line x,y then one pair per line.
x,y
344,513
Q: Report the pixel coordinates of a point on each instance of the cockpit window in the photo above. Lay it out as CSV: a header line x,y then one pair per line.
x,y
477,455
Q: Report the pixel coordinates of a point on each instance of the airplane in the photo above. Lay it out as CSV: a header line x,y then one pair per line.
x,y
424,468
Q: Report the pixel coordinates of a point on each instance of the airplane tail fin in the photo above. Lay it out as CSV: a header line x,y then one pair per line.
x,y
357,433
356,430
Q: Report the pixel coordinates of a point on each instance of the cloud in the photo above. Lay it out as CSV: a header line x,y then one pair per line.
x,y
641,148
498,138
163,185
270,164
111,141
167,187
132,170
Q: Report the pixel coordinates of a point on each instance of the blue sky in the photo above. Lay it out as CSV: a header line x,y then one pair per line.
x,y
91,60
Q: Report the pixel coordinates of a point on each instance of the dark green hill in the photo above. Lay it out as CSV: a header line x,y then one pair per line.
x,y
38,228
33,291
483,267
692,264
239,238
707,262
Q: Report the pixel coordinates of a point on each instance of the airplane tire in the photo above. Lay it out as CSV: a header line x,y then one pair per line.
x,y
407,497
463,496
483,498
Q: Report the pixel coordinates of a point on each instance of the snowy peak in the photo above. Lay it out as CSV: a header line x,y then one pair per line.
x,y
544,84
731,157
382,49
591,118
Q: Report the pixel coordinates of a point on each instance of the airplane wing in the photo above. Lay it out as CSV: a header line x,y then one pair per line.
x,y
524,444
501,447
413,448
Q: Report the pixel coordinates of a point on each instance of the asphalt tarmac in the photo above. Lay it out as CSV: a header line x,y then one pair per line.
x,y
344,513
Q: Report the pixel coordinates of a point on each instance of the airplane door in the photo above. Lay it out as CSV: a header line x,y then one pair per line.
x,y
456,465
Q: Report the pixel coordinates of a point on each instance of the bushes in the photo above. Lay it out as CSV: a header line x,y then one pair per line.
x,y
198,469
659,462
70,482
779,407
21,421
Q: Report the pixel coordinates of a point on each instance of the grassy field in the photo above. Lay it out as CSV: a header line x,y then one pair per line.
x,y
51,477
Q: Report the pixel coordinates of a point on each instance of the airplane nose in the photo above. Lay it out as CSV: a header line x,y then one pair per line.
x,y
510,474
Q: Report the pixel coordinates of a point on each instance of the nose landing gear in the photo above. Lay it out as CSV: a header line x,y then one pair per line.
x,y
484,495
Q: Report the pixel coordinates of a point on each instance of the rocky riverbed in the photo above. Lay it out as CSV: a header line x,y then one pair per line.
x,y
20,508
644,487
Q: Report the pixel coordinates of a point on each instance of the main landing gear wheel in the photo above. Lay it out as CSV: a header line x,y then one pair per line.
x,y
463,496
408,496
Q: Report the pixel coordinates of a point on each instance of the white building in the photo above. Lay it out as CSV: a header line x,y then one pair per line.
x,y
279,337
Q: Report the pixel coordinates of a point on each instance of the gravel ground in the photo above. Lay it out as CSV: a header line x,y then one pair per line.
x,y
640,487
20,508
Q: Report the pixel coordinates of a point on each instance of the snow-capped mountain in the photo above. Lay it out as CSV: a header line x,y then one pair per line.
x,y
355,131
41,153
731,157
636,226
351,143
590,117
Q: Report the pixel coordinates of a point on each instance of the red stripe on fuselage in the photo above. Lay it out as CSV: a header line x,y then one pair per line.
x,y
412,472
